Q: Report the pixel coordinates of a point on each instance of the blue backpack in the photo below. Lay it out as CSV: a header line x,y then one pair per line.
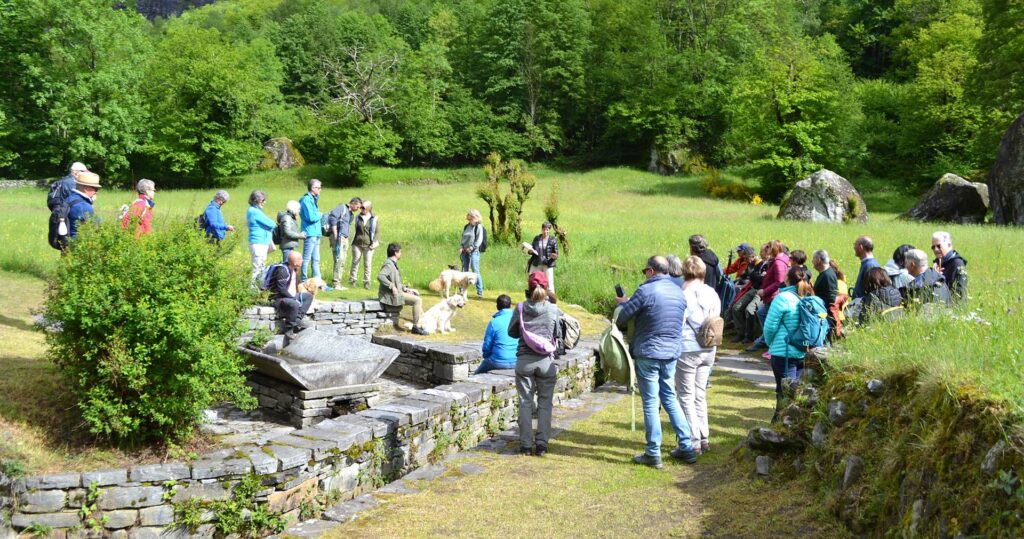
x,y
726,291
813,326
268,274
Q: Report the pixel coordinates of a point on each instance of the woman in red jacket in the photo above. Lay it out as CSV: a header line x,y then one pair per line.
x,y
141,211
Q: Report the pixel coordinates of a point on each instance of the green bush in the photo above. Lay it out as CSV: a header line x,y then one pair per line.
x,y
149,329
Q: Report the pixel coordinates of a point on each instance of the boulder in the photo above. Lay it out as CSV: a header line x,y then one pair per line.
x,y
670,161
824,196
952,199
763,439
280,153
1006,179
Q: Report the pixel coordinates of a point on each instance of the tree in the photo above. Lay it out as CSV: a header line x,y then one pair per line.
x,y
996,83
213,102
506,210
73,86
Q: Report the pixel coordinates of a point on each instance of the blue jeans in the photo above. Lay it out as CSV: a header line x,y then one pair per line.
x,y
284,255
762,315
656,380
782,368
473,260
311,256
488,365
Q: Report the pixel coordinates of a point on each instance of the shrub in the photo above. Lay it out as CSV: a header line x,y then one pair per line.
x,y
506,210
717,187
148,330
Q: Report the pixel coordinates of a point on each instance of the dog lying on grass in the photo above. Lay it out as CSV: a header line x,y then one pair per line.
x,y
439,317
451,276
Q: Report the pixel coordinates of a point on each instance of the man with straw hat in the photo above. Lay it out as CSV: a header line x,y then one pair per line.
x,y
87,185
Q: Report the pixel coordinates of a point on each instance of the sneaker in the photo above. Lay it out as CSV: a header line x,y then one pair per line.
x,y
758,345
526,451
704,446
766,355
479,295
328,289
540,450
366,286
688,456
419,331
649,460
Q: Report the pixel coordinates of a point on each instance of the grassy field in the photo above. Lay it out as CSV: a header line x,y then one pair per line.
x,y
587,486
615,218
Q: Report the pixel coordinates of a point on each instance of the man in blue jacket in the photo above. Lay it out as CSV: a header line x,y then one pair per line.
x,y
499,349
864,248
216,228
339,221
311,225
658,308
80,201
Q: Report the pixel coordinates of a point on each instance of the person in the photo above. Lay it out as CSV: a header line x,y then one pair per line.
x,y
881,299
499,349
826,286
261,229
216,228
928,285
288,228
80,201
364,242
469,247
312,226
658,307
694,366
744,262
773,281
783,319
291,304
675,270
895,268
536,372
141,210
699,248
798,259
864,248
61,189
544,254
949,262
339,221
393,293
744,309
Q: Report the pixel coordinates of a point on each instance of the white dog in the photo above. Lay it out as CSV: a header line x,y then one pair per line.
x,y
439,317
452,276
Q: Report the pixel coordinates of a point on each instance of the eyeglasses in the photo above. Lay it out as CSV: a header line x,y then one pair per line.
x,y
936,247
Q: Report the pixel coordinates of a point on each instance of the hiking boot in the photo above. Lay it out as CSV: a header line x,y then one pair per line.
x,y
649,460
419,331
540,450
526,451
688,456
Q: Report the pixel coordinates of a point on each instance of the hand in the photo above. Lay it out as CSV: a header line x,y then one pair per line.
x,y
554,256
231,228
621,300
760,293
394,290
413,291
302,235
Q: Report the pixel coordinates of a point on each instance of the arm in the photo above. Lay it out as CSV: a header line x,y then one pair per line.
x,y
289,229
478,236
773,279
279,283
772,322
513,324
488,346
631,307
265,222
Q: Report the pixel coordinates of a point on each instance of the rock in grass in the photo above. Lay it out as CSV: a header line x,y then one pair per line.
x,y
824,196
876,387
838,412
280,153
952,199
763,465
1006,179
991,462
853,471
818,435
767,440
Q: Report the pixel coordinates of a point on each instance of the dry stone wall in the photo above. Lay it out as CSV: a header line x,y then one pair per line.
x,y
358,318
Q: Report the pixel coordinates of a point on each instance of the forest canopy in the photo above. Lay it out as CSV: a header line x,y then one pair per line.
x,y
901,90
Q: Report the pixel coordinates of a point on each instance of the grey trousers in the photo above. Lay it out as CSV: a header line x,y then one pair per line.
x,y
535,377
744,315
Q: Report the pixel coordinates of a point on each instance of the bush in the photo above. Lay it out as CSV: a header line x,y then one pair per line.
x,y
149,329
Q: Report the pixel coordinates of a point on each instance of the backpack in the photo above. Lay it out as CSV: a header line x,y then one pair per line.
x,y
201,221
60,190
726,291
275,235
812,328
616,362
710,332
538,344
269,273
570,331
483,242
60,224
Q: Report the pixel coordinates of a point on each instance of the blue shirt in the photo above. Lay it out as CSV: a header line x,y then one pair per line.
x,y
79,210
310,215
862,277
260,226
498,346
215,225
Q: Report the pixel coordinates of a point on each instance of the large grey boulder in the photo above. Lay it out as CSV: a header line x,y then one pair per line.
x,y
952,199
1006,179
675,160
824,196
280,153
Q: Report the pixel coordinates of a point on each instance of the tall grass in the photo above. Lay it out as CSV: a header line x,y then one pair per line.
x,y
616,218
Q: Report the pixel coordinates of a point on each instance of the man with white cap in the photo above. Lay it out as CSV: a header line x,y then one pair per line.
x,y
61,189
80,201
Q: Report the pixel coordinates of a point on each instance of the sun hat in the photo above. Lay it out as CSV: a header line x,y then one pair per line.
x,y
537,278
88,179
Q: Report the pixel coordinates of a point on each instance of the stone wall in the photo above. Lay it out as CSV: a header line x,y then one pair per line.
x,y
16,184
431,362
304,408
343,456
344,317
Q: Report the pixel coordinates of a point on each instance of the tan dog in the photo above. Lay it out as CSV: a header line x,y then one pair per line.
x,y
439,317
451,276
312,285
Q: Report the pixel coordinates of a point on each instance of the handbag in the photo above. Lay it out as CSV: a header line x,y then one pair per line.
x,y
535,342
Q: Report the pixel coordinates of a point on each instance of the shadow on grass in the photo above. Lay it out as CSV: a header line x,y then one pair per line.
x,y
16,323
682,187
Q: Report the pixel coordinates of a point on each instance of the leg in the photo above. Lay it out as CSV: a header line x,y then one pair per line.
x,y
288,309
779,370
466,264
546,376
525,389
314,259
485,366
700,425
550,272
305,300
307,253
685,381
670,402
647,383
416,303
474,262
367,265
259,263
357,255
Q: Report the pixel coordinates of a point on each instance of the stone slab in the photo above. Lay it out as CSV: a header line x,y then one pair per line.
x,y
262,463
461,398
160,515
378,427
104,478
117,520
398,418
65,480
360,433
339,391
346,511
130,497
319,448
41,501
288,456
310,529
417,411
52,520
209,469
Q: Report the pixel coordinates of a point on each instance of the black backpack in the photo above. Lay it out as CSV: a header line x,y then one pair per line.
x,y
201,221
275,235
60,190
60,224
483,242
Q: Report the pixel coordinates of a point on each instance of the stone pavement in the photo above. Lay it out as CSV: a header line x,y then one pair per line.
x,y
747,366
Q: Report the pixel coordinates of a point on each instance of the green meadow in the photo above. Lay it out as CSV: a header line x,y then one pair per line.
x,y
616,218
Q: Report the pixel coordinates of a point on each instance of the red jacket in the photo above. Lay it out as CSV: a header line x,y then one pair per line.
x,y
140,211
774,278
737,267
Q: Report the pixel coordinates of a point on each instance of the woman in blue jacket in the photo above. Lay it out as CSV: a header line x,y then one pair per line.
x,y
782,321
261,229
499,349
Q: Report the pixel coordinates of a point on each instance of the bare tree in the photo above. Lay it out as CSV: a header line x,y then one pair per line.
x,y
360,81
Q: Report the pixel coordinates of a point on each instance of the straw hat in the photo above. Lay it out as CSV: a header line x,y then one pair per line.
x,y
88,179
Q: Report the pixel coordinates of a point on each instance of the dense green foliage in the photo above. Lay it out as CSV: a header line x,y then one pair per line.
x,y
903,90
148,330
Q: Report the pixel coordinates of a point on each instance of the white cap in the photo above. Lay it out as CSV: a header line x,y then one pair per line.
x,y
78,167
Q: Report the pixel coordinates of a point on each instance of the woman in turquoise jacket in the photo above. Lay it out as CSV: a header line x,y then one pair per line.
x,y
261,230
782,321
